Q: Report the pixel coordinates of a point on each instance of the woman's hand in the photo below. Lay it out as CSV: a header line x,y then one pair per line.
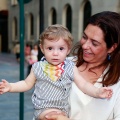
x,y
56,117
53,114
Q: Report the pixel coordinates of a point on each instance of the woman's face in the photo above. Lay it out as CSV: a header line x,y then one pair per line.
x,y
93,45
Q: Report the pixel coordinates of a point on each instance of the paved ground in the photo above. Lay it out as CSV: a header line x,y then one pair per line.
x,y
9,102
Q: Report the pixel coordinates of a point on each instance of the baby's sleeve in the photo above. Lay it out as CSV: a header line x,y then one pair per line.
x,y
36,69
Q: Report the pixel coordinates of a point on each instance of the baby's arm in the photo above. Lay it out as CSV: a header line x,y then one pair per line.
x,y
20,86
90,89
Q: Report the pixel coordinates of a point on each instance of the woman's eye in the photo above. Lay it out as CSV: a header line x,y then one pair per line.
x,y
61,48
95,44
50,48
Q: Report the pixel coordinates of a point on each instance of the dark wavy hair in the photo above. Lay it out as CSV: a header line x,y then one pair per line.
x,y
109,23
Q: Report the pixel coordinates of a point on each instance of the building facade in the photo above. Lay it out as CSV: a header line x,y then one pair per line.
x,y
31,22
3,26
71,13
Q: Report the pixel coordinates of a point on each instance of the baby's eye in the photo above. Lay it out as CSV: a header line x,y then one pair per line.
x,y
50,48
61,48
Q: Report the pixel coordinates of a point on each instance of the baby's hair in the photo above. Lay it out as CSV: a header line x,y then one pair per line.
x,y
55,32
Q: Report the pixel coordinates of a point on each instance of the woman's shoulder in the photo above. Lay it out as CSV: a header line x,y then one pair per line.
x,y
72,58
117,85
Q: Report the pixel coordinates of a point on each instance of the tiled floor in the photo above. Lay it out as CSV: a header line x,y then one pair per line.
x,y
9,102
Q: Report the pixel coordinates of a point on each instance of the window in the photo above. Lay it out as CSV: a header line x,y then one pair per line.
x,y
69,18
14,2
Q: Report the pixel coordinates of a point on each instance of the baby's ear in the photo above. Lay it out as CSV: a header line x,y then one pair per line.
x,y
68,52
41,47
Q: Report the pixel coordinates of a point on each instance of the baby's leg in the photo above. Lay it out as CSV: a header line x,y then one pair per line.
x,y
42,115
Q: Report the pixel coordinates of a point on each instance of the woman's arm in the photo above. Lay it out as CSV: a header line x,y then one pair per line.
x,y
56,117
116,110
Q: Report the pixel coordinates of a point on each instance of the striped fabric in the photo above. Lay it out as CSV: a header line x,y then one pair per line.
x,y
52,94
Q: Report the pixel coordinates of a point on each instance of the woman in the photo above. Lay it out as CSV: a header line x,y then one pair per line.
x,y
98,60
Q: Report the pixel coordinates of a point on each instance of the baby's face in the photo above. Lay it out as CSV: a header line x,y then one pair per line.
x,y
55,52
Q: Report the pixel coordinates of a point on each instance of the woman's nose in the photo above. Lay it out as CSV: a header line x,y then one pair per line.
x,y
86,45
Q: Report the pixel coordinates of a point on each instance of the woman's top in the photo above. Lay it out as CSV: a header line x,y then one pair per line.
x,y
84,107
52,94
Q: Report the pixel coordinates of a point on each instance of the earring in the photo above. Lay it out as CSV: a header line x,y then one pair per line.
x,y
109,57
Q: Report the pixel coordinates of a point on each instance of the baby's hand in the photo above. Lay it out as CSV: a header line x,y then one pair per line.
x,y
4,86
105,92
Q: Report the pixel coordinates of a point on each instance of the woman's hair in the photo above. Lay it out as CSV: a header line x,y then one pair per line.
x,y
109,23
55,32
